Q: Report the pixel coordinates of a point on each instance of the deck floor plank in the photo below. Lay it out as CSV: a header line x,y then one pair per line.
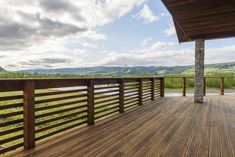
x,y
214,150
175,127
228,111
172,145
149,133
203,150
224,138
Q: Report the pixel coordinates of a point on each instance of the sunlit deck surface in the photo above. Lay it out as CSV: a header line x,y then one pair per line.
x,y
174,127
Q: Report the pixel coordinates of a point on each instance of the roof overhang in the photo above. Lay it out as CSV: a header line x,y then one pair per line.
x,y
202,19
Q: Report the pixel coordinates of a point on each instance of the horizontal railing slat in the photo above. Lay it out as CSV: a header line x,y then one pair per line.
x,y
60,92
4,150
3,107
7,123
107,109
5,98
9,131
59,98
106,105
106,100
11,114
105,96
108,87
108,91
62,105
104,115
59,118
58,111
131,105
10,139
60,124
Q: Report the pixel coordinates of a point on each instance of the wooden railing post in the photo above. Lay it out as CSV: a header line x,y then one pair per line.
x,y
140,91
162,87
222,86
90,103
204,91
184,86
29,114
152,89
121,96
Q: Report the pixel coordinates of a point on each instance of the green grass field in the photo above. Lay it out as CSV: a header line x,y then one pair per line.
x,y
173,83
176,83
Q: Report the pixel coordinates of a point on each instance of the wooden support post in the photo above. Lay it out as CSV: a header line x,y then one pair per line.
x,y
162,87
204,91
152,89
140,91
199,71
90,103
184,86
29,114
222,86
121,96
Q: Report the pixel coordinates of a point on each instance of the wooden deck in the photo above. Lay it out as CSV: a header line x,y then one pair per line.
x,y
174,127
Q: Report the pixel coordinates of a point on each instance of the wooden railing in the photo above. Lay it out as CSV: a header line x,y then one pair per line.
x,y
32,110
185,79
35,109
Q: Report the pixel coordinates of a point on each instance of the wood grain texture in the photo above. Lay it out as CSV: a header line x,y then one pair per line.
x,y
222,86
90,103
184,86
202,19
140,91
29,114
173,126
121,96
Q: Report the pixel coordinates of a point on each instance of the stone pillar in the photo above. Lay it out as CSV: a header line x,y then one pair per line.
x,y
199,71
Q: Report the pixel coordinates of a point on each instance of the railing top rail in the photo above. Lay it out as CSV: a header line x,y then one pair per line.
x,y
17,84
103,78
220,77
51,79
194,77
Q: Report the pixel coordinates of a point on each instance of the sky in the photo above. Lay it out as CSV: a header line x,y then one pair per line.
x,y
83,33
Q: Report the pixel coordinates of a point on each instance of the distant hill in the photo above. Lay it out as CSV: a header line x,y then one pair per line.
x,y
96,70
2,70
212,68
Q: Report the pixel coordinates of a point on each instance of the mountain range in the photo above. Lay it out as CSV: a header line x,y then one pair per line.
x,y
102,70
1,69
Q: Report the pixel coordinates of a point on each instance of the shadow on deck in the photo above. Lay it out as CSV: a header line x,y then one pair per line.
x,y
174,127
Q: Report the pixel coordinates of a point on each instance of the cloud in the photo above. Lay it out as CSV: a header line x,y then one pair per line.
x,y
45,62
31,29
170,30
62,7
147,15
1,56
167,54
93,35
165,14
52,60
160,53
146,41
220,55
161,45
26,23
67,33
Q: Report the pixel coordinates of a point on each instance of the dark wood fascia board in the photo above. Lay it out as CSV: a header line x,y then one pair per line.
x,y
181,34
